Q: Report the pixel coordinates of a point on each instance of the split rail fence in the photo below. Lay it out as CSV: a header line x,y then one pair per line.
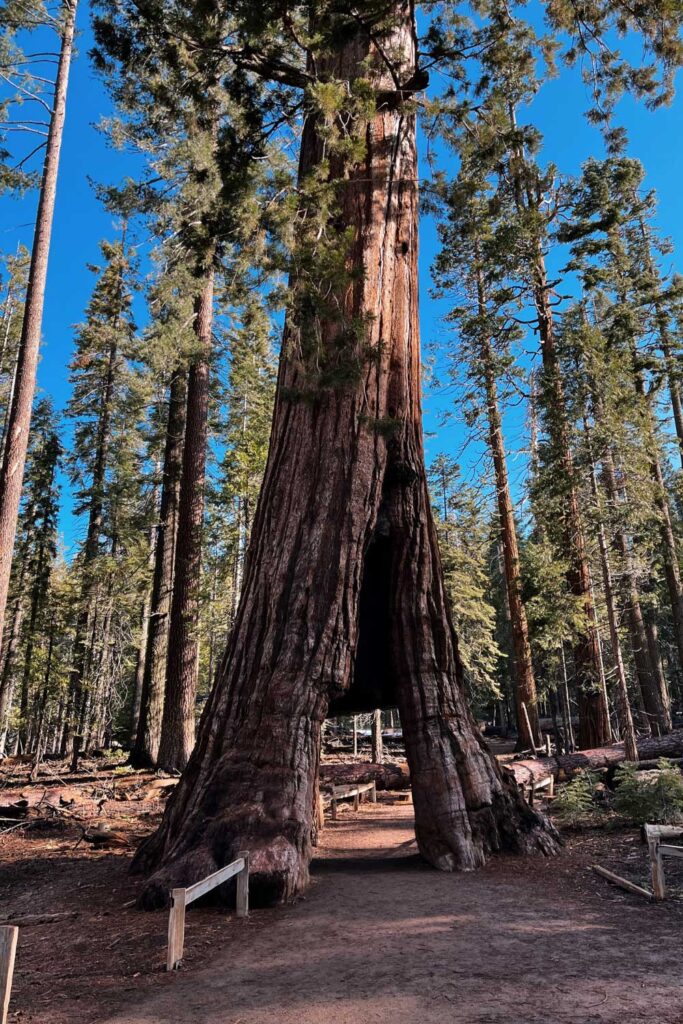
x,y
8,947
654,835
181,898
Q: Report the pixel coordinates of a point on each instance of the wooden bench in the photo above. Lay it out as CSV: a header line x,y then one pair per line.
x,y
657,849
530,789
348,792
181,898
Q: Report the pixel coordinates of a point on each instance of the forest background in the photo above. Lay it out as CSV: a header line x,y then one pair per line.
x,y
82,222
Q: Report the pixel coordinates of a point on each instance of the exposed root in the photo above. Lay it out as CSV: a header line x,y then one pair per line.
x,y
278,871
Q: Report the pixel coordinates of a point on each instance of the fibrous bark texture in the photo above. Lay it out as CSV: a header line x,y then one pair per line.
x,y
343,603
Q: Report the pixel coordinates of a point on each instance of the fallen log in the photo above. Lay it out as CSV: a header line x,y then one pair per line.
x,y
15,811
563,766
385,776
32,919
99,837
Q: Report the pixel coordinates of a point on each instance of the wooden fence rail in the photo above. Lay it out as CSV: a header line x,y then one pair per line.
x,y
8,947
181,898
657,849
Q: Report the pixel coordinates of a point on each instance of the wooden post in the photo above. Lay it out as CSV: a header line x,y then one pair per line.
x,y
356,801
377,745
528,726
333,809
657,868
77,743
176,930
8,947
373,793
548,751
355,735
242,901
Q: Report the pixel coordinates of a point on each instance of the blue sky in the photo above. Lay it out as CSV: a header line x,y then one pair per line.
x,y
80,223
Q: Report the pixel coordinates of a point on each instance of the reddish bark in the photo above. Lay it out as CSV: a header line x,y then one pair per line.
x,y
19,421
343,548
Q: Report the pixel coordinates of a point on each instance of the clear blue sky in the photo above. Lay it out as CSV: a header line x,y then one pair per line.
x,y
80,223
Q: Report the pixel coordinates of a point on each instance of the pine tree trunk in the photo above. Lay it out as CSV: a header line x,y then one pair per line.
x,y
139,677
343,547
8,679
148,735
646,671
40,573
528,730
566,704
628,733
594,724
672,570
19,422
91,548
662,322
672,374
178,725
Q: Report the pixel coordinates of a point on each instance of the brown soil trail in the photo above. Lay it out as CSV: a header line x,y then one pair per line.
x,y
380,937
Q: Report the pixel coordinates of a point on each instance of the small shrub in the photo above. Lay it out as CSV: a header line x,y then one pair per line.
x,y
574,803
649,796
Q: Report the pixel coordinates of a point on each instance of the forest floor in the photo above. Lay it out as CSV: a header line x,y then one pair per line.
x,y
378,937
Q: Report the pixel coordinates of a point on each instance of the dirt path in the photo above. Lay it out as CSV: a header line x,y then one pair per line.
x,y
382,938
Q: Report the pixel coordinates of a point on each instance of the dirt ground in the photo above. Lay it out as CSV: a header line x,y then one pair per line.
x,y
379,937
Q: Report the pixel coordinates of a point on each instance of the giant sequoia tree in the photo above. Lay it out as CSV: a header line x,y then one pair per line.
x,y
343,604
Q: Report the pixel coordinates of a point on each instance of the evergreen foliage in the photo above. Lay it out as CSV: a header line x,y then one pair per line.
x,y
212,100
650,797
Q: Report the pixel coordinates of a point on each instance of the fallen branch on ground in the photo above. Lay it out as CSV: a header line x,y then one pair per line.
x,y
623,883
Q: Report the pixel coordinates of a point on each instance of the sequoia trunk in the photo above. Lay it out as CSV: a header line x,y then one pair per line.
x,y
342,575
